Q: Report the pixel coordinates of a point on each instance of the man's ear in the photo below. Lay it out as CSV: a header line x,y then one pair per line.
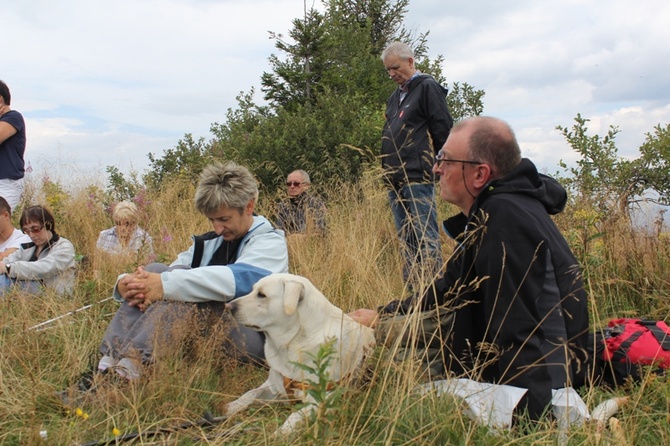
x,y
483,174
294,292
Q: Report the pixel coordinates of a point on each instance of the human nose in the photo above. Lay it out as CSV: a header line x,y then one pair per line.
x,y
218,227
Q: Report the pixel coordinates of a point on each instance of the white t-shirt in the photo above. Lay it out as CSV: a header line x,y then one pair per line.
x,y
14,241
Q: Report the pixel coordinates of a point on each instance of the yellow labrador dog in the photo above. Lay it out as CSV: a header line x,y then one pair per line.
x,y
297,320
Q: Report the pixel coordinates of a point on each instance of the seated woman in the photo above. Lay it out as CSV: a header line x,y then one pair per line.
x,y
47,261
126,237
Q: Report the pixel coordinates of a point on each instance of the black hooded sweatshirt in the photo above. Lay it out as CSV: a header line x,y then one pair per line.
x,y
518,288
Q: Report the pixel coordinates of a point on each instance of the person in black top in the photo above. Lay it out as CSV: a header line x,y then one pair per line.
x,y
521,312
417,125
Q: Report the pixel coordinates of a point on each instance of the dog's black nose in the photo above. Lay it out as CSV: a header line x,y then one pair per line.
x,y
231,307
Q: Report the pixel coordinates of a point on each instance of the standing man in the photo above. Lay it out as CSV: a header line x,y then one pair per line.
x,y
11,238
521,314
302,212
417,125
12,148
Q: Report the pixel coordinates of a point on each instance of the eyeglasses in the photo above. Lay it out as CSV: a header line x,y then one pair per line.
x,y
441,159
32,230
294,183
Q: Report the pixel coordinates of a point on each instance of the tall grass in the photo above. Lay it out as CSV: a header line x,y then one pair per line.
x,y
355,264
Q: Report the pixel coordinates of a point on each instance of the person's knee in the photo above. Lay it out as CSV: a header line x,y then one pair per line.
x,y
156,267
246,345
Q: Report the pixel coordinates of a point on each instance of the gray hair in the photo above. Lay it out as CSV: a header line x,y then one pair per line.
x,y
304,175
399,49
492,141
229,185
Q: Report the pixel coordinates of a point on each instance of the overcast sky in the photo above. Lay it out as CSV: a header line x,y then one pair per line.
x,y
105,83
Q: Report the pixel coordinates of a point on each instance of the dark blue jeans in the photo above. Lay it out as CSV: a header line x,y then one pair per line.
x,y
415,215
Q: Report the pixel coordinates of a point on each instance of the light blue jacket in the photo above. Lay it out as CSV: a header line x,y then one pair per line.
x,y
261,252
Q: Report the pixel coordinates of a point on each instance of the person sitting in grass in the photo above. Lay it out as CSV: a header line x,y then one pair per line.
x,y
126,237
520,309
11,238
301,212
220,266
47,261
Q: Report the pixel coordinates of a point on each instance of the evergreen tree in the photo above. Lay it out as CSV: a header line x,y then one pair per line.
x,y
326,95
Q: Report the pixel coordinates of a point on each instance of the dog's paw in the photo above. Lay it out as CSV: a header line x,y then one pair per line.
x,y
232,408
283,431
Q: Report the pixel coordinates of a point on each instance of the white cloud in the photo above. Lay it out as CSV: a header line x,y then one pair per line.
x,y
543,62
105,83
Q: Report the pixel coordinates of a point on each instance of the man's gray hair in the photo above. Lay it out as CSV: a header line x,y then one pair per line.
x,y
304,175
492,141
229,185
399,49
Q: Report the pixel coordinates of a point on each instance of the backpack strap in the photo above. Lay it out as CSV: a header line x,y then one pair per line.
x,y
661,336
621,353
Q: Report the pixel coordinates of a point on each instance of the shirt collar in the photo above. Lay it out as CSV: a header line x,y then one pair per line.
x,y
404,87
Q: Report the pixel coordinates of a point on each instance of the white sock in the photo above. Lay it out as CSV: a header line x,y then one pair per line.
x,y
129,368
106,362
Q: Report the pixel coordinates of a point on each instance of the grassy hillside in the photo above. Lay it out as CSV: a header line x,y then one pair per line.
x,y
355,265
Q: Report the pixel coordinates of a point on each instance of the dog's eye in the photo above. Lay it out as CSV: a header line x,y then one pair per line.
x,y
261,296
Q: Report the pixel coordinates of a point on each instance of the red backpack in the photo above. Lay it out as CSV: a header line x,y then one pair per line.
x,y
639,341
628,344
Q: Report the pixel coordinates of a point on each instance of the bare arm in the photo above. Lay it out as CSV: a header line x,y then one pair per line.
x,y
6,130
7,252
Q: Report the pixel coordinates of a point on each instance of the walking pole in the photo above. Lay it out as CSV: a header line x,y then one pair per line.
x,y
70,313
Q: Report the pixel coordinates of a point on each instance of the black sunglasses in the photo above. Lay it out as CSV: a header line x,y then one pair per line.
x,y
294,183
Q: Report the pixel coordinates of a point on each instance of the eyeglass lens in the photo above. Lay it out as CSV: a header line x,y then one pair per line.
x,y
32,230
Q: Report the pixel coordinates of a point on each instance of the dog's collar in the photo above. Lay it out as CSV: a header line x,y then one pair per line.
x,y
291,386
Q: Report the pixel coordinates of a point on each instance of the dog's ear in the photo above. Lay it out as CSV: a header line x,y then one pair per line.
x,y
294,292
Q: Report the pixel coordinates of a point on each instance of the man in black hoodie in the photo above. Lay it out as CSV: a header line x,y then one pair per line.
x,y
417,125
521,310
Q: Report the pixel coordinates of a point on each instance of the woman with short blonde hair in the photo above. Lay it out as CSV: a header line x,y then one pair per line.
x,y
126,237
